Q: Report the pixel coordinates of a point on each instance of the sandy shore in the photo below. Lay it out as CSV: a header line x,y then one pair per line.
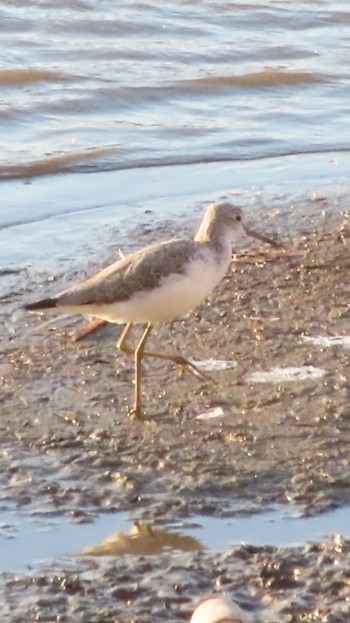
x,y
65,403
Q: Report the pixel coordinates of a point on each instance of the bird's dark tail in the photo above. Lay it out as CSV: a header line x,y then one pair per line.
x,y
41,305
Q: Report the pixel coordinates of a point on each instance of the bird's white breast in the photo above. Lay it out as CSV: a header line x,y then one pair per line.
x,y
176,294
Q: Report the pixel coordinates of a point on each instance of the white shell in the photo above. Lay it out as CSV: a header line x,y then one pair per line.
x,y
213,365
217,608
285,375
213,413
324,341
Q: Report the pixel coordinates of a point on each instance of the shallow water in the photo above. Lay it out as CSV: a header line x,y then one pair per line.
x,y
54,224
88,87
184,82
27,540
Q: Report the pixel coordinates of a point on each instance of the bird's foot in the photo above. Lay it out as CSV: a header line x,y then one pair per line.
x,y
186,365
134,412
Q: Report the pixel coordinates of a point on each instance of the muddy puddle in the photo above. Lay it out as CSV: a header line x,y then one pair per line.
x,y
28,540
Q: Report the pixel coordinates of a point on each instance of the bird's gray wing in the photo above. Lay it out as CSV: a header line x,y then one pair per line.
x,y
140,271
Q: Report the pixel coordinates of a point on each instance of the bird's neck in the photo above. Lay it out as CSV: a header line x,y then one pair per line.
x,y
211,233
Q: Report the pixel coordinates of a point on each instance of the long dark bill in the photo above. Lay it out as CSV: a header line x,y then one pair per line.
x,y
254,234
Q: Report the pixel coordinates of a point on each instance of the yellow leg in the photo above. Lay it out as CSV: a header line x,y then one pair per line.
x,y
122,340
179,360
139,351
137,354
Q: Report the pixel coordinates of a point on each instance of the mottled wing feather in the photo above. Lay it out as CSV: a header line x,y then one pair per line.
x,y
140,271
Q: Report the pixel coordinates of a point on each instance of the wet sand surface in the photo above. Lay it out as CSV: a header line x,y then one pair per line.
x,y
69,448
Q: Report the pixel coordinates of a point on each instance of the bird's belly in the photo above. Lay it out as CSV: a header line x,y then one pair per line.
x,y
176,295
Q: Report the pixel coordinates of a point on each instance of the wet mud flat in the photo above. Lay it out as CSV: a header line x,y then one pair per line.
x,y
222,448
295,584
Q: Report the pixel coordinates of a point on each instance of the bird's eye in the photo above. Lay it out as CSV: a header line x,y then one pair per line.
x,y
238,218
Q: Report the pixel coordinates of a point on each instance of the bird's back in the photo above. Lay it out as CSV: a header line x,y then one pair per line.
x,y
140,271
